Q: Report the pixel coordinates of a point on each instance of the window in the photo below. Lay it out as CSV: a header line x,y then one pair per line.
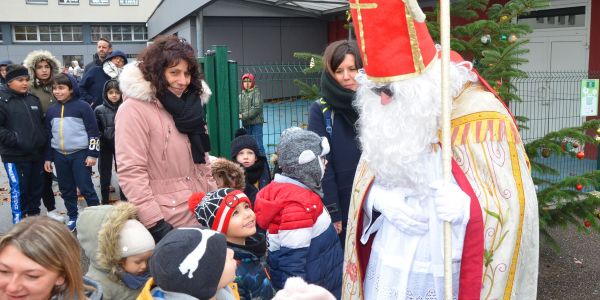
x,y
129,2
99,2
120,33
36,1
555,18
47,33
70,2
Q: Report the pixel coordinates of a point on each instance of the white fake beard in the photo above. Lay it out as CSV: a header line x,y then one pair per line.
x,y
396,137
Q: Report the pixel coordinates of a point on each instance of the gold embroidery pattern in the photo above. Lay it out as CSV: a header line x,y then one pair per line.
x,y
352,282
361,33
493,126
414,44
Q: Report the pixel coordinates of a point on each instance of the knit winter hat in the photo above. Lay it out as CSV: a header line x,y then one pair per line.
x,y
297,289
189,260
299,153
15,71
243,141
215,208
135,239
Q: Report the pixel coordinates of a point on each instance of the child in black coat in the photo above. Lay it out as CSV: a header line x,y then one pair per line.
x,y
244,151
105,115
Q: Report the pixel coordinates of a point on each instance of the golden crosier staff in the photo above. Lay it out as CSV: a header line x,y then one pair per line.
x,y
419,16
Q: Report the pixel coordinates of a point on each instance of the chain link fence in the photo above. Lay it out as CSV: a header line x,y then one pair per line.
x,y
283,106
552,101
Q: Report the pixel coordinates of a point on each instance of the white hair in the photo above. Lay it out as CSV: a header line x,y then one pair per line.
x,y
395,137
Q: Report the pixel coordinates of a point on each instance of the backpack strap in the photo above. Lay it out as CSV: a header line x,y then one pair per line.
x,y
327,116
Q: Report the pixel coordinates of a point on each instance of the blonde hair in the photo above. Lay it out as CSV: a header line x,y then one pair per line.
x,y
51,245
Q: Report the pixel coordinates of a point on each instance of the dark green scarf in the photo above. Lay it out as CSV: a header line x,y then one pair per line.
x,y
339,98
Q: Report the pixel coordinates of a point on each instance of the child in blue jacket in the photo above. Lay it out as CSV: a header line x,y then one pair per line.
x,y
229,211
73,144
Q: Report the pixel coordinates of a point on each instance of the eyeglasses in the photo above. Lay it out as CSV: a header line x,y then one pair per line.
x,y
383,89
246,80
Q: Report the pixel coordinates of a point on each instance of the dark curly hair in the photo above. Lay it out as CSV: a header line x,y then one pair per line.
x,y
166,52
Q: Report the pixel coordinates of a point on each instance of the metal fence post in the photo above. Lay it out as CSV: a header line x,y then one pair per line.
x,y
234,91
211,108
223,100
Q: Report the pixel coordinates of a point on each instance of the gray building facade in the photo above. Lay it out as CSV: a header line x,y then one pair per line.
x,y
255,32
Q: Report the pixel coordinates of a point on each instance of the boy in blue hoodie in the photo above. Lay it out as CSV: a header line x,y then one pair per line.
x,y
73,144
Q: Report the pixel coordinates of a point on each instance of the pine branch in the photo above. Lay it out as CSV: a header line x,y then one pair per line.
x,y
315,62
307,91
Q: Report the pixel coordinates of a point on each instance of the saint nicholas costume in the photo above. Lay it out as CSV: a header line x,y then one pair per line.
x,y
495,246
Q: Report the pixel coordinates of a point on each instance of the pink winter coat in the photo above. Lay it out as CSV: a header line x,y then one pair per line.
x,y
154,160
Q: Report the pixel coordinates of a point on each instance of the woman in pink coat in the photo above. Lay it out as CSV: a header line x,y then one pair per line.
x,y
161,140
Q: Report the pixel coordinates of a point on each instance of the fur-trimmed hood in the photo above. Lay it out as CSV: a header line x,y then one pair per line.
x,y
98,231
36,56
133,85
230,172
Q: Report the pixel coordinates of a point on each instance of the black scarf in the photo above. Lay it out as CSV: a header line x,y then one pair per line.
x,y
188,115
339,98
255,171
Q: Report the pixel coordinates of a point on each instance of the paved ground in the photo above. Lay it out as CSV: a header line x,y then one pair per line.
x,y
572,273
5,212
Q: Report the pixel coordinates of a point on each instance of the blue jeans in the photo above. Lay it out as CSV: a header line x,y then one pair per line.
x,y
256,131
72,174
26,181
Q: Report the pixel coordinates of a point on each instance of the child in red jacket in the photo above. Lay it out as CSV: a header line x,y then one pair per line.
x,y
301,238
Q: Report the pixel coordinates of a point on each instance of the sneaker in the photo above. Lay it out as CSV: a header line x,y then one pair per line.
x,y
71,224
56,215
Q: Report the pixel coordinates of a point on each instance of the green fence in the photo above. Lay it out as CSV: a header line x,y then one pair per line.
x,y
283,106
551,101
222,109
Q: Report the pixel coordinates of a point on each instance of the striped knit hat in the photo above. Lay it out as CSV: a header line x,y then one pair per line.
x,y
214,209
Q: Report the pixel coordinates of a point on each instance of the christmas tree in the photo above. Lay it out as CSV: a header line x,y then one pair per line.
x,y
488,35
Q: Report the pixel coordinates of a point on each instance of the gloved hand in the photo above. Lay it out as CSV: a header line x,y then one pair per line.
x,y
159,230
451,203
392,205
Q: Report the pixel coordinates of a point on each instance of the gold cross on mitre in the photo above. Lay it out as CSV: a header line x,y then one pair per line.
x,y
361,34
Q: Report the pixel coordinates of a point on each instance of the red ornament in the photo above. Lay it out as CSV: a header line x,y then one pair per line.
x,y
580,154
587,223
579,187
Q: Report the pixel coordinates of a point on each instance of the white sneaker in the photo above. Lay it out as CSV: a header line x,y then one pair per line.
x,y
56,215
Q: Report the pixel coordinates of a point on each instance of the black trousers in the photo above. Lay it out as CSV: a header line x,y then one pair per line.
x,y
105,161
48,193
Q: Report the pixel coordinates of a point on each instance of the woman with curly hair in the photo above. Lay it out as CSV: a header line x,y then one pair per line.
x,y
40,259
161,138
